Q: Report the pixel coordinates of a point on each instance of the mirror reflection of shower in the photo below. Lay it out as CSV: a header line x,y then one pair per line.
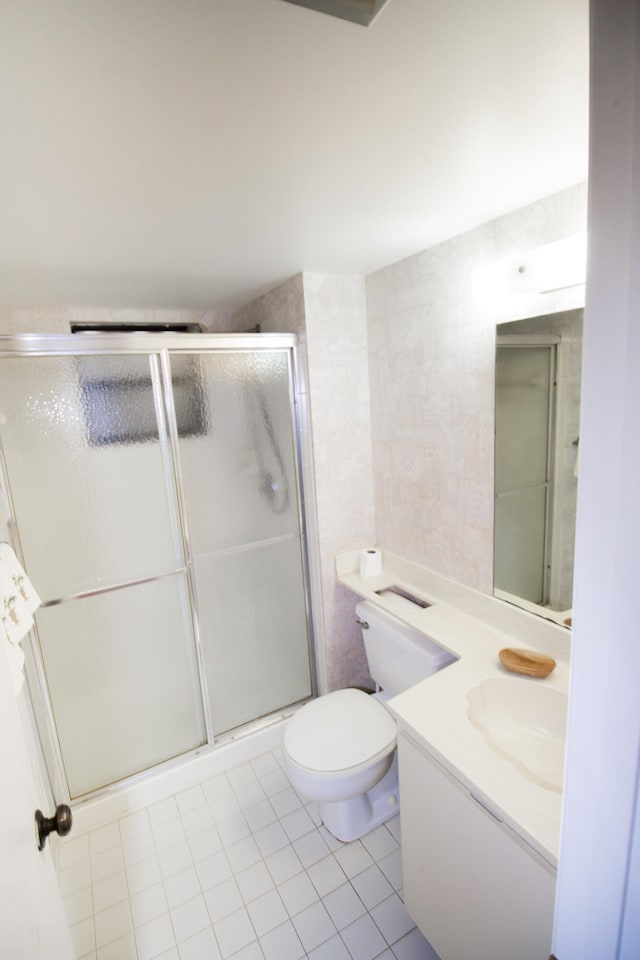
x,y
538,365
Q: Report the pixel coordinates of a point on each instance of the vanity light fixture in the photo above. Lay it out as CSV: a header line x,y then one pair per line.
x,y
546,270
363,12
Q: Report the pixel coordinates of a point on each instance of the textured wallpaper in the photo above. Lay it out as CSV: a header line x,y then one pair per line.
x,y
431,358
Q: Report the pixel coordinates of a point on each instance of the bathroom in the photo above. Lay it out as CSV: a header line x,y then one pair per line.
x,y
330,313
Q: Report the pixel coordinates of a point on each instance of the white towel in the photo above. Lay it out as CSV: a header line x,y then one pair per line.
x,y
18,601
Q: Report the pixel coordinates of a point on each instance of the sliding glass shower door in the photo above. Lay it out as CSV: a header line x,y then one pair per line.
x,y
154,499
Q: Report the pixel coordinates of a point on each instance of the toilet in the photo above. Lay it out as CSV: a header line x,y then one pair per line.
x,y
340,749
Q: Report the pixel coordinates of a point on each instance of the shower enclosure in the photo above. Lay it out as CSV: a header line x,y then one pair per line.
x,y
152,492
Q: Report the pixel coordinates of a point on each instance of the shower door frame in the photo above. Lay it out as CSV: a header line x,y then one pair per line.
x,y
48,755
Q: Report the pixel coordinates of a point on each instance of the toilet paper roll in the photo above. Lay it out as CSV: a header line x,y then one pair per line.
x,y
370,562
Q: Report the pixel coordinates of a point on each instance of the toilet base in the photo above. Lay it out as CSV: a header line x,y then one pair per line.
x,y
351,819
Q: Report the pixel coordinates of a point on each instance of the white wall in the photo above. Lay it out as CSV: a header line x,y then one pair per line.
x,y
431,353
599,875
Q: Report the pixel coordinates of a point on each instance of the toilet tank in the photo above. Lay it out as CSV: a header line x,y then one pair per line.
x,y
398,655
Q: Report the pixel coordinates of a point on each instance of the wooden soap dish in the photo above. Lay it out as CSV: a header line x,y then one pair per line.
x,y
528,662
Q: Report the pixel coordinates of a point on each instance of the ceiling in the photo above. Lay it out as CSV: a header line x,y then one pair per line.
x,y
193,153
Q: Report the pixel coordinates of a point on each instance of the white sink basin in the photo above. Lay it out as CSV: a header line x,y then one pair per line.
x,y
524,721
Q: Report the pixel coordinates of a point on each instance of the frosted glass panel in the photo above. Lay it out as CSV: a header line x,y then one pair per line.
x,y
239,476
122,676
241,494
87,471
253,630
519,543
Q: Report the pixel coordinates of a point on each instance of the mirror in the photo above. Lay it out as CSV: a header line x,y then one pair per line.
x,y
537,416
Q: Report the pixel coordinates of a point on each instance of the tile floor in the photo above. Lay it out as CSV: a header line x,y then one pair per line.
x,y
236,867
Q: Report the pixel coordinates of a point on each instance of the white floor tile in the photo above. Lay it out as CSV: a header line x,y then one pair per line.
x,y
393,826
333,949
267,912
106,863
190,918
111,890
243,854
216,787
73,850
154,938
104,838
264,765
372,886
234,932
271,839
353,858
124,948
310,848
148,904
167,834
232,829
224,806
83,936
326,875
74,878
135,823
223,899
242,775
252,952
297,823
314,926
282,943
196,820
260,815
392,919
380,842
180,887
139,847
220,872
344,905
143,874
203,946
190,799
298,893
391,866
285,801
274,782
283,864
213,870
250,794
363,939
113,922
78,905
163,811
254,881
414,947
205,844
175,858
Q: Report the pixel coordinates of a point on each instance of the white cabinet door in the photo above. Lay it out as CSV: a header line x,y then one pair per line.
x,y
32,921
473,888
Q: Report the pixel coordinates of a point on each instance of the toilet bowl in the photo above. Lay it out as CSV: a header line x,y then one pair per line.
x,y
336,749
340,748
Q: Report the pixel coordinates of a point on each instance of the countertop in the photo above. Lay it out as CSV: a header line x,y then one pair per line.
x,y
474,627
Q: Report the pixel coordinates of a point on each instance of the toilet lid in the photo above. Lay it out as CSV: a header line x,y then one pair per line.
x,y
339,731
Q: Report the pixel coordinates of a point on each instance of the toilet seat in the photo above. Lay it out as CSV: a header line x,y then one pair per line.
x,y
339,732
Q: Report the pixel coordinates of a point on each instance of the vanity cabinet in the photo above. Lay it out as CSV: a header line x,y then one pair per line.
x,y
472,886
